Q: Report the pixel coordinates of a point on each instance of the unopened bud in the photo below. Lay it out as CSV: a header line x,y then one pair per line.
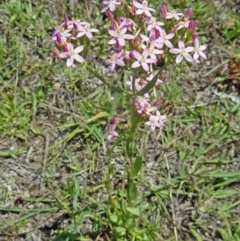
x,y
158,103
195,36
65,48
115,120
110,15
163,10
188,14
56,52
59,39
66,20
192,26
170,106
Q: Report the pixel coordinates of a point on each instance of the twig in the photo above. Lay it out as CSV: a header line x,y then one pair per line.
x,y
172,207
44,158
216,67
29,153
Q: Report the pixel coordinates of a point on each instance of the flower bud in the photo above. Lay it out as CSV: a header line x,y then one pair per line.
x,y
59,41
170,106
66,20
163,10
110,15
56,52
75,26
188,14
158,103
192,26
65,48
194,36
115,120
135,42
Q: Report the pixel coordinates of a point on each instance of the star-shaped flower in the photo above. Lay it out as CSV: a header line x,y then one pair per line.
x,y
72,54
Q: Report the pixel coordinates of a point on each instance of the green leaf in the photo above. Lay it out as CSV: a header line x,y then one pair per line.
x,y
132,190
120,231
98,116
134,211
137,166
224,174
149,85
225,193
113,217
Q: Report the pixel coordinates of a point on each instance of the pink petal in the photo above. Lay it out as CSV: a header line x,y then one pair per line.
x,y
189,49
70,61
175,51
79,58
181,44
78,49
203,55
195,56
179,58
128,36
89,35
63,55
121,41
112,67
93,30
148,13
137,5
203,47
169,36
169,44
151,61
112,41
112,7
113,33
145,67
120,62
188,57
137,55
139,12
136,65
80,34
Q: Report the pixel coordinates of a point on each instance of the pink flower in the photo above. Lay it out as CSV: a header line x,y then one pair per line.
x,y
138,83
182,52
110,5
164,39
151,76
61,35
143,8
156,121
115,60
198,51
143,60
128,23
183,24
110,129
173,14
119,34
86,30
72,54
141,103
152,50
153,24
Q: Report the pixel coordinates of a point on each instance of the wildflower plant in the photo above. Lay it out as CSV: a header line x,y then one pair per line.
x,y
139,36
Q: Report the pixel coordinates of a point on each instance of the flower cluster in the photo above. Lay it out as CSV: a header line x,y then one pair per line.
x,y
141,38
69,34
138,40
